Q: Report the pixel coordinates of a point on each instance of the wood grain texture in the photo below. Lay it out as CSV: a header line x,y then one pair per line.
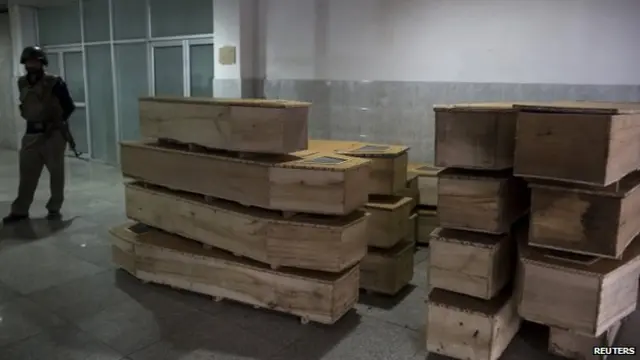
x,y
387,271
318,183
427,183
591,149
474,264
427,222
411,190
463,327
586,220
584,294
413,228
481,201
181,263
331,244
262,126
475,136
580,347
388,221
388,162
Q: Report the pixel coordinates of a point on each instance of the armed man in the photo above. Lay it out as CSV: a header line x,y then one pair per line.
x,y
46,105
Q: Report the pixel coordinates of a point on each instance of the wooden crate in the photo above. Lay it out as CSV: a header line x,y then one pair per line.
x,y
413,228
411,190
389,220
581,142
580,347
427,183
584,294
318,183
427,222
181,263
463,327
475,136
481,201
264,126
387,271
586,220
388,162
331,244
469,263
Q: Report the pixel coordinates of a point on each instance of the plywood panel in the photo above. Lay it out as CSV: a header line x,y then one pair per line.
x,y
171,260
322,184
265,126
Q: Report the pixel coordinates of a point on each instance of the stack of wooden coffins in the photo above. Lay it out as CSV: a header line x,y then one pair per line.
x,y
579,269
471,309
426,215
228,203
388,265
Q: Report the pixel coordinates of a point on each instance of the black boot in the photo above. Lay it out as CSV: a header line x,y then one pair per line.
x,y
14,218
54,215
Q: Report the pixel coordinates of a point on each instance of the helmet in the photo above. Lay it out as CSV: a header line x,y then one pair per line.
x,y
34,53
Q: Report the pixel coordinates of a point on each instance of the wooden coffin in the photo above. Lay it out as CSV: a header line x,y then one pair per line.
x,y
584,294
322,184
411,190
427,183
263,126
413,228
181,263
427,222
387,271
463,327
475,136
585,219
581,142
331,244
388,221
470,263
481,201
574,346
388,162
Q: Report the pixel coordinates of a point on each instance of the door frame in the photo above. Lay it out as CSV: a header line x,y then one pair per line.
x,y
59,53
185,44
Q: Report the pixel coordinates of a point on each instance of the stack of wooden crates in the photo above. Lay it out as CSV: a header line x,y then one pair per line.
x,y
388,266
234,207
579,270
472,307
426,178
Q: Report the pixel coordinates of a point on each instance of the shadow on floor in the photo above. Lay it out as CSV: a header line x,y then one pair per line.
x,y
221,334
34,229
386,302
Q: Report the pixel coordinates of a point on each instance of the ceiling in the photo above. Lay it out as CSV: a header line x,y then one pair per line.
x,y
37,3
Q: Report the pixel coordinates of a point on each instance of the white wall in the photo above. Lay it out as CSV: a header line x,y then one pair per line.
x,y
511,41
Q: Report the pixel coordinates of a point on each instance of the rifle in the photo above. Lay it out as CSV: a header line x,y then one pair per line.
x,y
68,137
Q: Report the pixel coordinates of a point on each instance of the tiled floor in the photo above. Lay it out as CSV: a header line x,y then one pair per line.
x,y
61,299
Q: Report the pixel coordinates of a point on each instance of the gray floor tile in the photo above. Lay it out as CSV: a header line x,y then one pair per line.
x,y
202,336
407,309
6,294
91,245
420,275
421,255
64,343
38,266
369,340
21,318
136,323
90,295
